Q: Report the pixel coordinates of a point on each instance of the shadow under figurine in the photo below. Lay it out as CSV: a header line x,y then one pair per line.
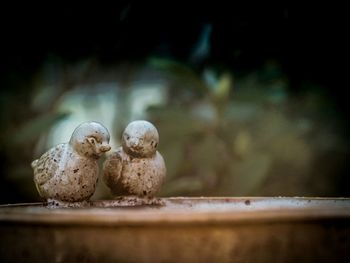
x,y
135,171
67,174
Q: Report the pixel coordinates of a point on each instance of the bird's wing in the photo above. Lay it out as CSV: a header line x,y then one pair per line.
x,y
112,169
46,166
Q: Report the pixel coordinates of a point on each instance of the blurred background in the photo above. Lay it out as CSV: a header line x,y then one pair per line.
x,y
247,100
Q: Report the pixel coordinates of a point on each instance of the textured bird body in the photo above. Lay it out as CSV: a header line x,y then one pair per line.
x,y
136,168
126,175
68,172
63,174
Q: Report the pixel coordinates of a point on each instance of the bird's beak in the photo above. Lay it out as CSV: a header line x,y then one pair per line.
x,y
105,147
134,142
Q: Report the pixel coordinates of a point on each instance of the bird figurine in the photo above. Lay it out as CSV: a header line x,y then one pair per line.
x,y
67,173
136,168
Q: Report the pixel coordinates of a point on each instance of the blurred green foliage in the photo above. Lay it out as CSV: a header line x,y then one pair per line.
x,y
221,133
247,137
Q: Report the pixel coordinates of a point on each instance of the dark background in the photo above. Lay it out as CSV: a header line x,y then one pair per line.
x,y
310,42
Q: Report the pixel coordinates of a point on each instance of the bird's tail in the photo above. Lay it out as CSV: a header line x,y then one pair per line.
x,y
34,163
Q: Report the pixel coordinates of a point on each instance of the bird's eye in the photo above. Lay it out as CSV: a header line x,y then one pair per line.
x,y
92,140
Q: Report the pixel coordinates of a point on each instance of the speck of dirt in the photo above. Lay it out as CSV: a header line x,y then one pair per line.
x,y
138,174
75,170
247,202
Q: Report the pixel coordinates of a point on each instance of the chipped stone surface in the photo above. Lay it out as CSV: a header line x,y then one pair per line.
x,y
53,203
129,201
68,172
136,168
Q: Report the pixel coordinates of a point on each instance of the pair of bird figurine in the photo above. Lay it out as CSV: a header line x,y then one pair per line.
x,y
68,173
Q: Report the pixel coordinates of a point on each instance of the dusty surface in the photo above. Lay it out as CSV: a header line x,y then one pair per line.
x,y
132,209
131,202
179,230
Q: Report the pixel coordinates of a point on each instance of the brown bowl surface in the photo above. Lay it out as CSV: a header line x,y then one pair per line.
x,y
203,229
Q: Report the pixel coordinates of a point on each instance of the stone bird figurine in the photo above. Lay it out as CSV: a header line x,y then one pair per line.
x,y
68,172
136,168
